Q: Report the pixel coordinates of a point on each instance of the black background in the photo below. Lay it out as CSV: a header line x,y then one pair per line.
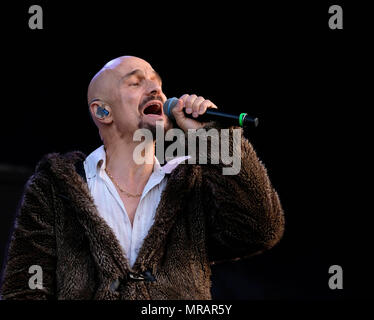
x,y
276,60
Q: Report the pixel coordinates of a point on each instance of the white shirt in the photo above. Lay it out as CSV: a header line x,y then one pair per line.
x,y
110,205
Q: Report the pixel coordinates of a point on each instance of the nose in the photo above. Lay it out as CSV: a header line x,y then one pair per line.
x,y
154,88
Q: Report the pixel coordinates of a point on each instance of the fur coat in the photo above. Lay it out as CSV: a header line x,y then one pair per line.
x,y
203,217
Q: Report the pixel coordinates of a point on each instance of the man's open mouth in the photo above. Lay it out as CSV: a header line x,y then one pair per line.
x,y
153,108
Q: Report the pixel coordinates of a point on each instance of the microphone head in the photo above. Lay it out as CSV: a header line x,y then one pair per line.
x,y
168,106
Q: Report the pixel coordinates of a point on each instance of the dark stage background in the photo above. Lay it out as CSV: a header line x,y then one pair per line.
x,y
275,60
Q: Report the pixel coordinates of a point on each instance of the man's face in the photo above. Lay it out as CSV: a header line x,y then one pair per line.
x,y
139,97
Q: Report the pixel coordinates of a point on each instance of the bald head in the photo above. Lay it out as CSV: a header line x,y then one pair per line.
x,y
123,86
104,84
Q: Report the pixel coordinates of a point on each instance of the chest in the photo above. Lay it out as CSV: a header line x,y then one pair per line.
x,y
110,201
131,204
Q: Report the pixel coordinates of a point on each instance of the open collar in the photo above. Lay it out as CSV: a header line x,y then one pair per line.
x,y
96,161
106,249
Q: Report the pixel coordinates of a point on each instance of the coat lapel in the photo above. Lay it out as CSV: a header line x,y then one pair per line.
x,y
105,247
171,204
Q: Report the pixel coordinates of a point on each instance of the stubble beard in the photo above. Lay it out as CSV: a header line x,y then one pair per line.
x,y
150,127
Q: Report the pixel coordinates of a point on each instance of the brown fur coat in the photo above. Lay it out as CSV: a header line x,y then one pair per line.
x,y
203,217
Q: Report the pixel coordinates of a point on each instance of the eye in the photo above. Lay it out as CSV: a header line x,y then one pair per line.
x,y
134,84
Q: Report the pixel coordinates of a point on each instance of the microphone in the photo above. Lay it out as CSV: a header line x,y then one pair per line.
x,y
225,119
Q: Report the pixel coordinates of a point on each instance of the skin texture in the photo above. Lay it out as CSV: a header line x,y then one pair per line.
x,y
124,86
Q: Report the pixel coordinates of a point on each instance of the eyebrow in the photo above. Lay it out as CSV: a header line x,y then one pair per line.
x,y
138,72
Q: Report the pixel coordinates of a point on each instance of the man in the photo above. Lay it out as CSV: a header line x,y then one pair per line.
x,y
106,227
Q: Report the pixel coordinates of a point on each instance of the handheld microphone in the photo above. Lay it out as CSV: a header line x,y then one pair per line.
x,y
225,119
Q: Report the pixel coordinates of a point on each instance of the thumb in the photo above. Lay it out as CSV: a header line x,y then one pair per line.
x,y
177,111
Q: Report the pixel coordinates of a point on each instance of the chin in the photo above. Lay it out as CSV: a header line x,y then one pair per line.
x,y
149,126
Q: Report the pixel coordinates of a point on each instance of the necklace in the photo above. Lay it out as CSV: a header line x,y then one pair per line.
x,y
122,190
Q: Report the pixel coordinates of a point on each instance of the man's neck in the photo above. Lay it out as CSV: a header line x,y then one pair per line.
x,y
120,163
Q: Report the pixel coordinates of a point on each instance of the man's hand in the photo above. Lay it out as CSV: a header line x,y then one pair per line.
x,y
193,105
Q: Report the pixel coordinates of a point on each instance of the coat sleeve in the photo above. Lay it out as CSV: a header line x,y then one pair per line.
x,y
32,244
242,211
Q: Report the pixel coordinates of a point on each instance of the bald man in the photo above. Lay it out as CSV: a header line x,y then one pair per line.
x,y
103,226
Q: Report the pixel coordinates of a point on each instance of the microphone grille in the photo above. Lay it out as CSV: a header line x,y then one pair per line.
x,y
169,105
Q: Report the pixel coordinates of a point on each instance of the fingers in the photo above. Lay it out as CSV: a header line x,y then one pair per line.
x,y
178,109
189,103
206,104
196,105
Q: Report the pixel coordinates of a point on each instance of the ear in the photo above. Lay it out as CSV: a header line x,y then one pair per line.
x,y
101,112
